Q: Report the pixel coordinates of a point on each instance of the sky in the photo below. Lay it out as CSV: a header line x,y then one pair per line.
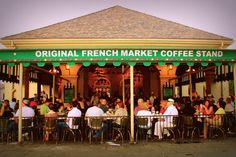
x,y
215,16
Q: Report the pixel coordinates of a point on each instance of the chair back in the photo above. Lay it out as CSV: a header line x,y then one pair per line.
x,y
124,122
96,123
187,120
50,122
27,122
142,122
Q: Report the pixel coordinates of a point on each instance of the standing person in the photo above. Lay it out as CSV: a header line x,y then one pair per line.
x,y
167,120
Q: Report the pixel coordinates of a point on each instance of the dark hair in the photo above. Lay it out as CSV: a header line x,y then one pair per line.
x,y
51,106
74,103
220,103
13,100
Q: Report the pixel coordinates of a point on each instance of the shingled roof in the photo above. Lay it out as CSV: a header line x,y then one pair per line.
x,y
116,23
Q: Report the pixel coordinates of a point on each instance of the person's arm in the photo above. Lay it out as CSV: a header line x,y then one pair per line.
x,y
2,110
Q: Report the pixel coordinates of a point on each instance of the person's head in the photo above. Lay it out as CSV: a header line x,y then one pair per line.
x,y
140,101
25,102
51,106
74,103
47,102
207,103
120,105
13,100
103,102
170,102
6,103
163,103
228,100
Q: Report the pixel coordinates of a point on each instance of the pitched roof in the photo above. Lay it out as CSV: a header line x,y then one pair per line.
x,y
116,23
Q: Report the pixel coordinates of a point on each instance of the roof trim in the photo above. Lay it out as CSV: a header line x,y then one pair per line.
x,y
115,43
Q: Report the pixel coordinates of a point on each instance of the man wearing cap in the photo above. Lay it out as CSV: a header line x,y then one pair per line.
x,y
167,120
26,111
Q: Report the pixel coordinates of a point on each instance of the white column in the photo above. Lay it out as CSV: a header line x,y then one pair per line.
x,y
123,85
234,79
190,83
53,88
20,105
131,104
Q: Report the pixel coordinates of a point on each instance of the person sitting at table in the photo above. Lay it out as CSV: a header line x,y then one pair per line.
x,y
163,106
216,120
103,105
137,108
167,121
75,112
95,111
144,112
44,107
207,108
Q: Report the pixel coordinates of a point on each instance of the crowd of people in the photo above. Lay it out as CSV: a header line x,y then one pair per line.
x,y
98,105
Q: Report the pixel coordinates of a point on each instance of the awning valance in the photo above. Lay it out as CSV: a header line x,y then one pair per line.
x,y
117,56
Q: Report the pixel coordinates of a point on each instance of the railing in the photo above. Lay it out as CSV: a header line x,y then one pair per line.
x,y
117,128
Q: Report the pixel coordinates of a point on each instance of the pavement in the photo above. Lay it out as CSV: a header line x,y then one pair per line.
x,y
209,148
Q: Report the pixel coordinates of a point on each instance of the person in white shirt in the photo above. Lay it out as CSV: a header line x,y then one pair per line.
x,y
144,112
167,121
95,111
26,111
75,112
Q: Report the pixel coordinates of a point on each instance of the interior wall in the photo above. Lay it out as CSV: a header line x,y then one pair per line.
x,y
32,89
222,88
200,88
185,90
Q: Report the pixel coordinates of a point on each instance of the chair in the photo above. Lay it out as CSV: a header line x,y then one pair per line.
x,y
189,127
3,129
27,127
217,127
95,126
75,128
142,127
173,128
49,128
120,129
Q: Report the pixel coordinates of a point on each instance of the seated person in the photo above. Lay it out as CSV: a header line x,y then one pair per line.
x,y
216,120
74,112
167,121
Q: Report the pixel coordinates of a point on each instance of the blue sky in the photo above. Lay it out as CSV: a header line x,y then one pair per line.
x,y
215,16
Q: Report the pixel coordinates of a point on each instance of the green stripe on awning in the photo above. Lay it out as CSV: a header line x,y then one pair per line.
x,y
231,64
71,64
162,63
190,64
218,63
26,64
147,64
56,64
176,63
86,64
41,64
204,64
101,64
116,64
132,63
10,64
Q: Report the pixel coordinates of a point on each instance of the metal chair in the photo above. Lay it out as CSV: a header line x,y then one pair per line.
x,y
3,129
27,127
189,127
142,127
120,129
95,126
173,128
75,129
217,127
49,128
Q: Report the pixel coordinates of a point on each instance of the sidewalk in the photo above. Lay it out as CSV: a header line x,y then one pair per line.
x,y
213,148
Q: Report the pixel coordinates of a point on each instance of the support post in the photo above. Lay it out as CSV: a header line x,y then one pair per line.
x,y
20,105
131,104
53,87
190,83
123,85
234,79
